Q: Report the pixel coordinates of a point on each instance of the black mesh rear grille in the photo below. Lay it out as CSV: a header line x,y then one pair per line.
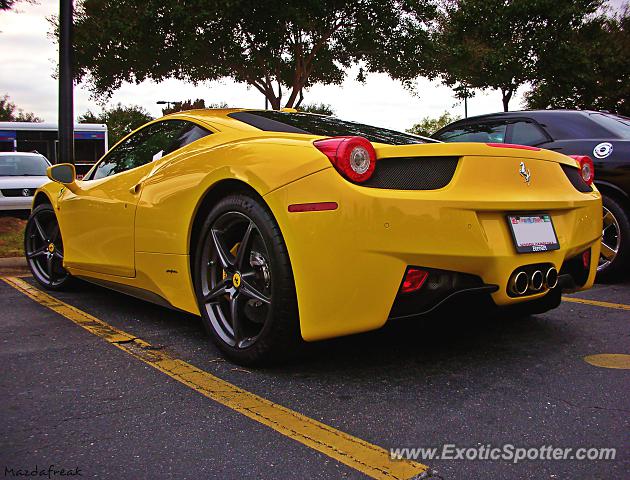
x,y
17,192
413,173
575,177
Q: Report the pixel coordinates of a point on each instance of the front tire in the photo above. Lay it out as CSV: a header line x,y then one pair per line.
x,y
244,282
43,248
615,253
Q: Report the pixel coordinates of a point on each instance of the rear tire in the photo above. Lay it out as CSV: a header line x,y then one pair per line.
x,y
615,256
43,249
244,283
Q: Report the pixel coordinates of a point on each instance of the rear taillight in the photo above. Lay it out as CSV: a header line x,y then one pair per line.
x,y
353,157
587,169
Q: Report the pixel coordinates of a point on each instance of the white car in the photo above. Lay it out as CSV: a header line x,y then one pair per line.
x,y
21,173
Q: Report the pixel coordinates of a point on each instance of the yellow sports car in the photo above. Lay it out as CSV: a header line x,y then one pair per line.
x,y
277,226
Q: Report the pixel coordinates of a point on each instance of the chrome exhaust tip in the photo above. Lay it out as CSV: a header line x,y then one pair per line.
x,y
551,278
536,281
518,283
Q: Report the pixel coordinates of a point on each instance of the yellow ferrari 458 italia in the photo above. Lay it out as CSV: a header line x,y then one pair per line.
x,y
278,226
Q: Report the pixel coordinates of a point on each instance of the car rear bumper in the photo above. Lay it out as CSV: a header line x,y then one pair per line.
x,y
349,263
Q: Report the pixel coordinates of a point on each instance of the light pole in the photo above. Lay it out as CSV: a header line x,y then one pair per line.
x,y
66,104
165,102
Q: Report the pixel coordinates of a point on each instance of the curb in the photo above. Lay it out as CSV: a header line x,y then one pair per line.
x,y
13,262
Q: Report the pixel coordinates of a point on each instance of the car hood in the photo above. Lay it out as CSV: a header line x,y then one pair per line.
x,y
22,182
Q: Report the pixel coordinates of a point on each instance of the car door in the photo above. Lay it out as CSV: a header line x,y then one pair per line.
x,y
98,221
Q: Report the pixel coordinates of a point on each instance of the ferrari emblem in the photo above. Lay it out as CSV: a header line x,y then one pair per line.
x,y
236,280
51,247
524,172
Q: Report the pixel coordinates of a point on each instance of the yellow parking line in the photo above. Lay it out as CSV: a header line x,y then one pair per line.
x,y
597,303
370,459
609,360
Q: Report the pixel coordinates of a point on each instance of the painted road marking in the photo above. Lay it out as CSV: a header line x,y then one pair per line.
x,y
369,459
597,303
609,360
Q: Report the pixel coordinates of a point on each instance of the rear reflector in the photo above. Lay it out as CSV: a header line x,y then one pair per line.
x,y
511,145
313,207
586,258
414,279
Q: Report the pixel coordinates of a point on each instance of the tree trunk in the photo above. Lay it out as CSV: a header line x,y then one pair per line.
x,y
507,96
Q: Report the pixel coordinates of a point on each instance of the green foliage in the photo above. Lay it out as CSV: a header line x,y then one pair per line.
x,y
320,108
428,125
191,105
498,44
594,72
120,120
279,48
10,113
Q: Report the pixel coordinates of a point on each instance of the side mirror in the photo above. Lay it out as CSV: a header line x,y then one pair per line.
x,y
65,174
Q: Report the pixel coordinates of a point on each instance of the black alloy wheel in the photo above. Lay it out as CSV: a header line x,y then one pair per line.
x,y
244,282
615,244
43,248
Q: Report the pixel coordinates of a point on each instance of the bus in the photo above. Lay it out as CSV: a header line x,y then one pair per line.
x,y
90,141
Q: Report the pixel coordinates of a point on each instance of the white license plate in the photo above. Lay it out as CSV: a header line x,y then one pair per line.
x,y
533,233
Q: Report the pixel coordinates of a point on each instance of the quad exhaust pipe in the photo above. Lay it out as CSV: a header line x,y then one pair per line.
x,y
521,282
551,278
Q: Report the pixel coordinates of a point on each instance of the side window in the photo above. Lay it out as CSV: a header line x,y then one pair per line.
x,y
484,132
149,144
527,133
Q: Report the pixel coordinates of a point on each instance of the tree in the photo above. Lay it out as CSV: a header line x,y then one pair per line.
x,y
191,105
278,48
428,125
10,113
497,44
594,72
9,4
320,108
120,120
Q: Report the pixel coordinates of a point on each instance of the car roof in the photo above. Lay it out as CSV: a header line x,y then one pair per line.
x,y
222,116
536,114
25,154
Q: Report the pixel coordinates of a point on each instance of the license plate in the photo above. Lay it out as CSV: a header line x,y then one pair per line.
x,y
533,233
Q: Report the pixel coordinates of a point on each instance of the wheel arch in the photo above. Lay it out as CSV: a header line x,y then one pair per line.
x,y
615,192
40,199
210,197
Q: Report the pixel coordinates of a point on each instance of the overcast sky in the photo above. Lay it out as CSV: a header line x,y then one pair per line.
x,y
29,57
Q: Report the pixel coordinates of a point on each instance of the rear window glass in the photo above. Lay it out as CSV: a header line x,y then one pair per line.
x,y
526,133
481,132
275,121
619,126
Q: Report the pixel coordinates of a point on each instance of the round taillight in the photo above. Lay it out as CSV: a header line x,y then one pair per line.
x,y
587,169
587,172
353,157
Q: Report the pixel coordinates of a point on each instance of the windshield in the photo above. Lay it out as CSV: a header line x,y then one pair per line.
x,y
620,126
23,165
275,121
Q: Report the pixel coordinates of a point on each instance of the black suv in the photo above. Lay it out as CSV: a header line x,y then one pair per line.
x,y
602,136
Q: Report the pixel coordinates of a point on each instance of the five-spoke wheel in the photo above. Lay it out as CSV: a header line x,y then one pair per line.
x,y
244,282
615,244
43,248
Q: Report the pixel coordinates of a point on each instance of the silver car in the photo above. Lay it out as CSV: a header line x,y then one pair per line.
x,y
21,173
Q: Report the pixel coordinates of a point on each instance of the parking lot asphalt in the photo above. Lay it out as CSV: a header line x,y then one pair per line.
x,y
76,401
